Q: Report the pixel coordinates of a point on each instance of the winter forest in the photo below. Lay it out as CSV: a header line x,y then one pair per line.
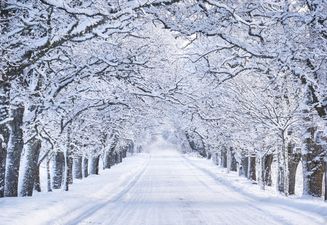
x,y
237,87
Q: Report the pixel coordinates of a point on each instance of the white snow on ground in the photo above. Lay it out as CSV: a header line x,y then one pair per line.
x,y
163,187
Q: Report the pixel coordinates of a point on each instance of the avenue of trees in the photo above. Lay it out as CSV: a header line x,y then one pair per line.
x,y
84,82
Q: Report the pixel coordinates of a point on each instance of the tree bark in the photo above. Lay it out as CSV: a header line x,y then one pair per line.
x,y
94,165
68,160
48,176
293,162
106,161
31,170
120,157
112,159
116,157
285,153
125,153
268,161
109,154
3,153
245,165
313,166
229,159
252,168
59,166
224,158
233,166
14,150
85,167
78,168
262,172
37,180
325,176
69,171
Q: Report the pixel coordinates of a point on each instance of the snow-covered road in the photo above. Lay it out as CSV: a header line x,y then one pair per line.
x,y
167,188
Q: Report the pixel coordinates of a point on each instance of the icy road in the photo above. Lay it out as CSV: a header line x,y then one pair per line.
x,y
160,188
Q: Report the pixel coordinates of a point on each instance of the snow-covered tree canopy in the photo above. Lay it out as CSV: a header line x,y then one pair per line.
x,y
93,78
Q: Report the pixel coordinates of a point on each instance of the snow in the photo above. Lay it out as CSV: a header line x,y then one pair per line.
x,y
163,187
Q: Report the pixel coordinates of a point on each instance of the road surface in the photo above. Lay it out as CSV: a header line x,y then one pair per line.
x,y
172,190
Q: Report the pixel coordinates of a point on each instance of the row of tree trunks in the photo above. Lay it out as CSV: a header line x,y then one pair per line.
x,y
313,168
62,165
82,166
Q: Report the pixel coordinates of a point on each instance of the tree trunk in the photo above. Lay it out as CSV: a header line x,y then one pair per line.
x,y
268,162
4,132
285,152
116,157
245,165
59,166
252,168
37,180
31,171
215,158
112,159
2,167
78,174
262,172
69,170
48,176
224,158
293,162
68,160
109,161
325,176
106,161
94,165
14,150
229,159
130,147
125,153
280,171
219,158
313,165
120,157
233,166
85,167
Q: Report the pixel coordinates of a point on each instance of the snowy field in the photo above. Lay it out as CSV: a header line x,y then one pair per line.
x,y
163,187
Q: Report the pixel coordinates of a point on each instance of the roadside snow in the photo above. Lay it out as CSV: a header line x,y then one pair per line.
x,y
84,196
291,208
